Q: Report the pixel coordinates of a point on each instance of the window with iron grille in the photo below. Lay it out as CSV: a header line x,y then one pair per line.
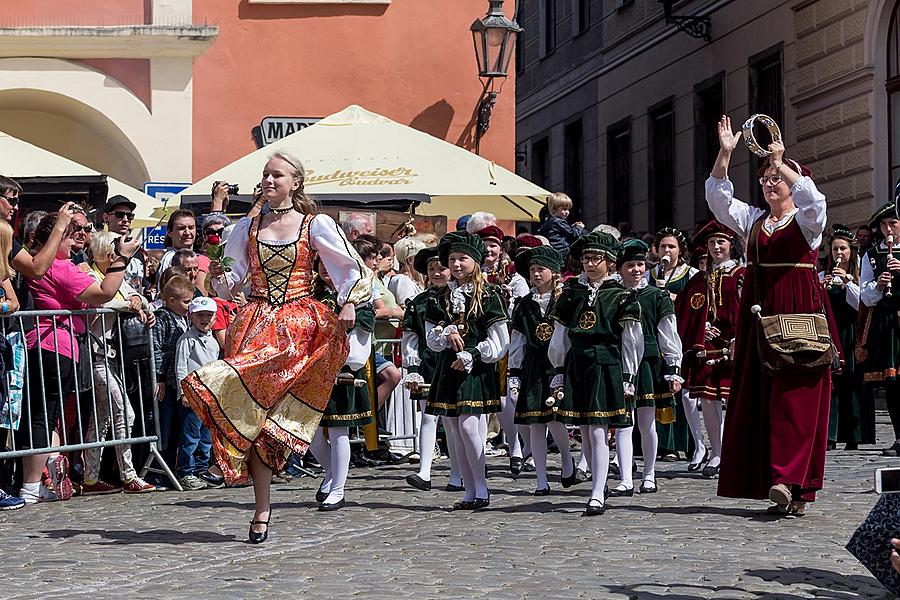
x,y
573,169
662,166
540,162
766,97
709,105
618,173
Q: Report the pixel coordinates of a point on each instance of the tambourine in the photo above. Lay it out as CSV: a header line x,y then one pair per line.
x,y
749,138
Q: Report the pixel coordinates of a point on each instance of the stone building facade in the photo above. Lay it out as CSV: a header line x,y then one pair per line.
x,y
618,107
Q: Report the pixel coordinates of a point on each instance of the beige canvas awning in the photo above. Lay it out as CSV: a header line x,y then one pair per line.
x,y
356,155
18,158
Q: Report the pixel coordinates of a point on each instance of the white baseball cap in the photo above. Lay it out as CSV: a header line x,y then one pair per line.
x,y
202,304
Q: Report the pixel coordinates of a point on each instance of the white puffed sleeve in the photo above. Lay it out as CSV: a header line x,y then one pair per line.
x,y
728,210
670,344
403,287
494,347
851,290
632,352
409,349
517,343
518,288
811,215
236,250
352,279
559,345
360,348
868,293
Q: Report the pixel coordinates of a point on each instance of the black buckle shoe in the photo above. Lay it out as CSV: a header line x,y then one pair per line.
x,y
463,505
710,472
332,507
594,508
648,487
542,492
454,488
481,503
695,466
621,493
255,537
418,483
320,496
572,479
515,464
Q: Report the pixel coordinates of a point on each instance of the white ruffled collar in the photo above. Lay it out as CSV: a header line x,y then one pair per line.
x,y
458,295
728,264
594,286
543,300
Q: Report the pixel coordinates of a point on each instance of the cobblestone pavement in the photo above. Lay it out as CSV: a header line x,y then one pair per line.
x,y
394,542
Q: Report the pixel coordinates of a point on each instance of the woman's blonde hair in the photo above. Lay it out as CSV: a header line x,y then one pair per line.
x,y
103,245
406,249
6,240
301,201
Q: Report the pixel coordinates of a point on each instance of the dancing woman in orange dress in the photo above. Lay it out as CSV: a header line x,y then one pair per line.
x,y
284,349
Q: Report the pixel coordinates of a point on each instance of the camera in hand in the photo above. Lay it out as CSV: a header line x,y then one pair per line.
x,y
233,189
887,480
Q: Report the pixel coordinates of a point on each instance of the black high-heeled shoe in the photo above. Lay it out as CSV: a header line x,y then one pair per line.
x,y
255,537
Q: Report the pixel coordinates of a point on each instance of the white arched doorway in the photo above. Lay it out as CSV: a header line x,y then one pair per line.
x,y
91,118
881,40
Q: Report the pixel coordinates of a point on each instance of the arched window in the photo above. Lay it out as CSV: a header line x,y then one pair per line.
x,y
893,92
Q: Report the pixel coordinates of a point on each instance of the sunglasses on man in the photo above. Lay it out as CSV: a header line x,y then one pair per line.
x,y
121,214
85,228
13,201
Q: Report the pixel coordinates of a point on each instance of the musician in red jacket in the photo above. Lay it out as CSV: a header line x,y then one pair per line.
x,y
707,312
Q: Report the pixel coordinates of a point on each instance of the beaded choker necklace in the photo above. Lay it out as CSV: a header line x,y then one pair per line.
x,y
281,211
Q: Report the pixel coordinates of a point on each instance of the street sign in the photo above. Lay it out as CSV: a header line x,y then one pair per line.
x,y
154,237
275,128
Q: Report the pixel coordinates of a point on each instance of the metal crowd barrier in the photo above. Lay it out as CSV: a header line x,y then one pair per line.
x,y
79,407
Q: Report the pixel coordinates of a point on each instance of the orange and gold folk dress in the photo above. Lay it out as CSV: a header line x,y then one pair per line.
x,y
282,351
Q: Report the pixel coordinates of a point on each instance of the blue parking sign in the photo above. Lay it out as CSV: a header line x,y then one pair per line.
x,y
155,238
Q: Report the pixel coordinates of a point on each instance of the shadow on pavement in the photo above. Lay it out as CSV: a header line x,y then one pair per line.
x,y
152,536
828,584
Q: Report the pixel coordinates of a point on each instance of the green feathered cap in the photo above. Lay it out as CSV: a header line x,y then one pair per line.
x,y
632,250
596,241
545,256
842,231
461,241
422,258
885,211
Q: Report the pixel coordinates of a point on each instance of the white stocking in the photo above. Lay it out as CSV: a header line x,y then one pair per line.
x,y
339,437
524,432
507,418
692,414
599,458
473,447
321,449
584,459
624,455
646,417
427,438
561,437
538,437
712,417
453,450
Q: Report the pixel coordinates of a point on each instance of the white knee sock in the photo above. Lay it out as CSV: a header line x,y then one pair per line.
x,y
339,438
453,450
624,454
712,418
427,437
462,460
599,458
646,417
692,414
561,437
584,462
539,453
321,449
524,432
507,418
473,447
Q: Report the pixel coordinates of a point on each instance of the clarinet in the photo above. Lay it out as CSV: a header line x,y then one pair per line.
x,y
890,251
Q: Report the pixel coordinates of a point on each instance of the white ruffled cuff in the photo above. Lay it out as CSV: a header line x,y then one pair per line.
x,y
513,383
448,330
677,378
466,358
558,381
629,388
413,378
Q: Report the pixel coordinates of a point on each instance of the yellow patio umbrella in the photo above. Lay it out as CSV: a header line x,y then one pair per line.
x,y
18,158
358,156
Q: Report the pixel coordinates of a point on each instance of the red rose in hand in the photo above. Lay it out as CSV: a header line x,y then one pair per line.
x,y
213,239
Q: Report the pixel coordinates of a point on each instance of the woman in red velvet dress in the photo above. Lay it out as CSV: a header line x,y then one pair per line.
x,y
776,427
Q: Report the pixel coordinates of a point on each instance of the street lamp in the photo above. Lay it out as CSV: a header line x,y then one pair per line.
x,y
494,37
